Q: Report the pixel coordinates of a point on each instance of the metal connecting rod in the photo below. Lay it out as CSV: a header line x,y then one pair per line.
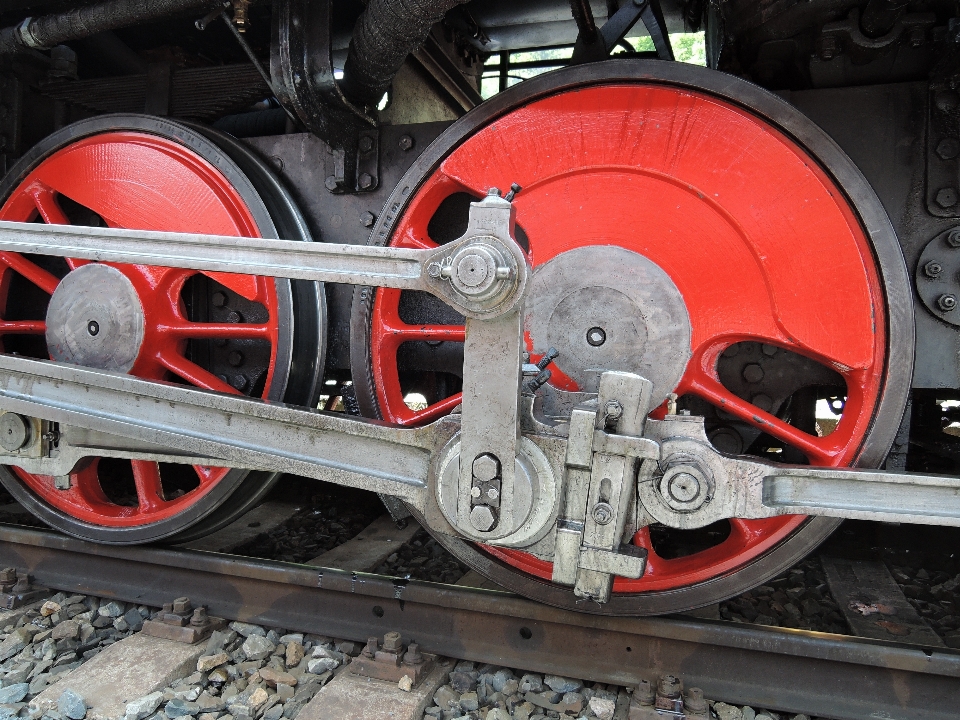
x,y
400,268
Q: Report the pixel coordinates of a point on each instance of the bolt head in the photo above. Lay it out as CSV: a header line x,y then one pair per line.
x,y
948,148
482,518
405,143
366,143
932,269
434,269
947,302
368,219
946,101
182,605
753,373
331,183
365,181
602,513
391,642
485,467
953,238
946,197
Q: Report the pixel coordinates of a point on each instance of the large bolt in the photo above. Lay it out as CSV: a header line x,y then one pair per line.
x,y
482,518
485,467
405,143
694,703
602,513
669,687
948,148
753,373
932,269
413,656
946,197
14,431
644,693
199,618
947,302
391,642
683,487
371,647
182,605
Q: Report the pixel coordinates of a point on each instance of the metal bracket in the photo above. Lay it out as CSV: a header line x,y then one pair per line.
x,y
301,66
181,622
601,467
392,660
597,45
17,589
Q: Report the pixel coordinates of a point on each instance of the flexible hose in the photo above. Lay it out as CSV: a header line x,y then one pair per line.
x,y
51,30
385,34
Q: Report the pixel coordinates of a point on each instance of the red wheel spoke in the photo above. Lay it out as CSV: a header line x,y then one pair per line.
x,y
416,242
233,331
432,412
820,451
194,374
400,334
22,327
43,279
46,201
146,476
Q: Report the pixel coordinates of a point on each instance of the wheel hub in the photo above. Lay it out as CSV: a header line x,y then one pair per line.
x,y
605,307
95,319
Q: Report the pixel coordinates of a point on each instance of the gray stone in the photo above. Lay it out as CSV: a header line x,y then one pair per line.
x,y
14,643
727,712
510,687
464,681
145,706
72,705
112,609
274,713
748,713
561,684
209,703
531,683
500,678
209,662
14,693
68,629
133,619
446,697
285,692
179,708
318,666
433,712
120,625
468,701
602,708
247,629
257,647
498,714
39,683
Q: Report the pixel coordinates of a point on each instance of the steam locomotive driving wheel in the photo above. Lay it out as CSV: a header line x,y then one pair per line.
x,y
685,226
234,334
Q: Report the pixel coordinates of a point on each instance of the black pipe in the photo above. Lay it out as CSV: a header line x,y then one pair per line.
x,y
51,30
385,34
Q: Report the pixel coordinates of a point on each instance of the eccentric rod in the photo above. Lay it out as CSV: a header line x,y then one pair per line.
x,y
48,31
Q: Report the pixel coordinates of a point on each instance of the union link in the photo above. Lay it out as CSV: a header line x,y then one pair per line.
x,y
495,472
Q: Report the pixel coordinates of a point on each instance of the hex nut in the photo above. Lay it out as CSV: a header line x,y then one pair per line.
x,y
366,143
365,181
669,686
946,101
391,642
485,467
946,197
482,518
602,513
947,302
932,269
953,238
368,219
948,148
405,142
331,183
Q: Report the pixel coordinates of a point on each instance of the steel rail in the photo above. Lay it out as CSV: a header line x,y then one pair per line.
x,y
789,670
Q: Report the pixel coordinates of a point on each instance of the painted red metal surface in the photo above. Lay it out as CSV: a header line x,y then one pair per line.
x,y
144,182
758,239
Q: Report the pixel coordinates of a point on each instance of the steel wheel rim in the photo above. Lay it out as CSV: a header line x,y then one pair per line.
x,y
230,188
796,537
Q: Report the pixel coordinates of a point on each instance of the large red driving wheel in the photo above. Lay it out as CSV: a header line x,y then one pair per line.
x,y
766,242
221,332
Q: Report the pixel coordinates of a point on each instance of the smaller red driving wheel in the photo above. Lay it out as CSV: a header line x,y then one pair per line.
x,y
762,244
221,332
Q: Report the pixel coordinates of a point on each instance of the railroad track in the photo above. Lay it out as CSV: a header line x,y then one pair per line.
x,y
815,673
